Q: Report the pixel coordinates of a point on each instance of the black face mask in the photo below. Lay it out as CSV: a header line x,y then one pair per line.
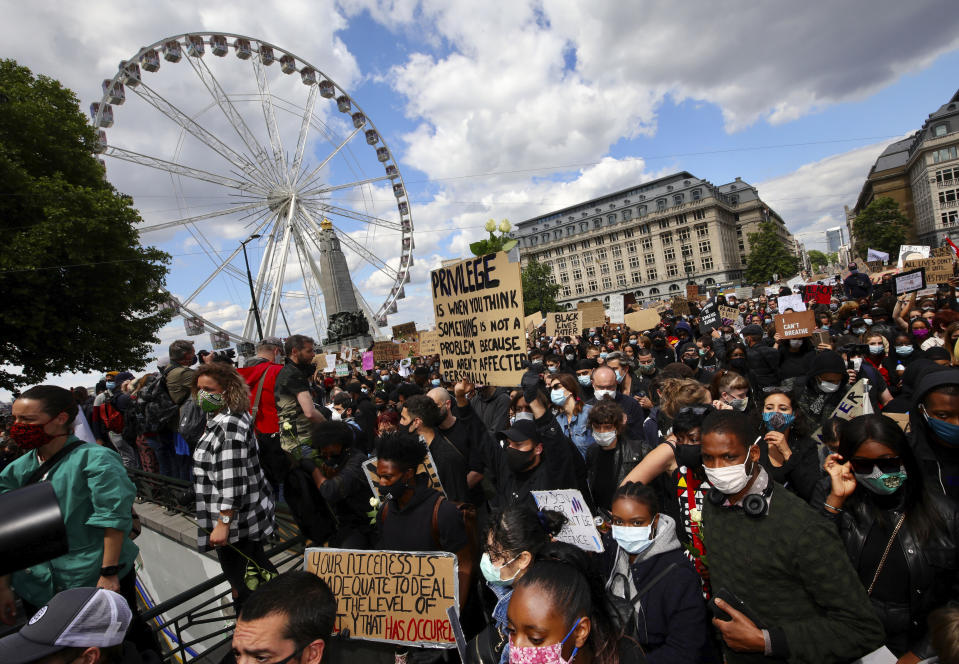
x,y
518,460
738,363
395,490
691,362
689,455
659,342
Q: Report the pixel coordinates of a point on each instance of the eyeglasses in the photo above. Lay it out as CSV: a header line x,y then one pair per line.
x,y
865,466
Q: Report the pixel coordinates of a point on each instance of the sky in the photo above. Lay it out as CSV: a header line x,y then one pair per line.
x,y
502,110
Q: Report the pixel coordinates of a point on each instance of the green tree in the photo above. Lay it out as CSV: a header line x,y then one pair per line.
x,y
817,259
768,256
80,293
880,226
539,290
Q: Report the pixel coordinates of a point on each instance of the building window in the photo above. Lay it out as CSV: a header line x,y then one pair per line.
x,y
697,194
634,261
604,268
597,222
681,218
644,229
677,199
667,238
627,215
637,277
651,274
579,288
673,288
702,231
585,244
630,247
591,285
650,259
671,270
664,223
734,199
566,291
661,204
699,214
647,242
601,254
590,271
607,283
707,263
628,232
669,254
617,251
704,246
564,278
577,275
611,219
574,261
683,234
948,196
945,154
653,291
945,176
618,265
561,263
621,280
642,211
950,218
940,130
584,226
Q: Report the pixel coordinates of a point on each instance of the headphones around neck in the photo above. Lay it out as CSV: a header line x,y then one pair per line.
x,y
754,504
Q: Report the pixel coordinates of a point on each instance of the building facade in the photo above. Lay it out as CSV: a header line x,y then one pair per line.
x,y
650,240
834,239
921,173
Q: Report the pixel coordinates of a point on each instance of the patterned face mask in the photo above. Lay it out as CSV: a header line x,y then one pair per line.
x,y
543,654
209,402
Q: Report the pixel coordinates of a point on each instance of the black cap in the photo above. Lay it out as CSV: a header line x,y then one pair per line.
x,y
753,330
421,371
520,431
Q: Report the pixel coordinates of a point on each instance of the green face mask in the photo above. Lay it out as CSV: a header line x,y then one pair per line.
x,y
209,402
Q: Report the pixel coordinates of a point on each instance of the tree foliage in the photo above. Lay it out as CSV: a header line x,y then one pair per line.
x,y
817,258
80,293
880,226
539,290
768,256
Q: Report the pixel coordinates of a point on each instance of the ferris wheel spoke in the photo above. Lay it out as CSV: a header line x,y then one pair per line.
x,y
226,106
315,173
199,217
177,169
279,260
304,130
347,185
269,116
366,254
168,109
358,216
259,285
301,253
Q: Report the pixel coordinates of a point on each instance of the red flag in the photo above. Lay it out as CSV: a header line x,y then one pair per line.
x,y
954,247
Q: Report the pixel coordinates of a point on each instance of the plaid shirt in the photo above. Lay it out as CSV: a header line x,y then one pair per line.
x,y
227,476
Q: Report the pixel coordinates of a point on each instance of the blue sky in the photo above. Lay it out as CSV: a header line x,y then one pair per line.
x,y
481,103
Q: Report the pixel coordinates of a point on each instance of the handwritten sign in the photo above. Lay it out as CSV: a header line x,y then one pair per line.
x,y
426,467
478,306
368,360
680,306
793,302
817,294
390,596
409,349
907,282
640,321
744,292
319,361
592,314
617,308
875,266
404,331
580,529
729,314
692,291
944,250
342,370
430,343
796,325
563,324
938,268
533,321
386,351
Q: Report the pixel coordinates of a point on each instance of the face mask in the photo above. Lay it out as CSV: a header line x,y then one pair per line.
x,y
727,337
904,350
876,350
29,436
880,483
689,455
620,377
632,342
492,573
519,417
867,321
921,333
946,432
647,369
583,380
615,341
552,368
776,421
603,355
543,654
702,352
633,539
739,364
600,394
767,321
739,404
828,387
604,438
558,397
795,343
435,382
858,330
596,343
335,415
110,384
518,460
391,491
209,402
691,362
729,479
856,363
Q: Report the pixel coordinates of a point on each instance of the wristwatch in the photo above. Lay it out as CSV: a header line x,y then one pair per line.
x,y
111,570
225,519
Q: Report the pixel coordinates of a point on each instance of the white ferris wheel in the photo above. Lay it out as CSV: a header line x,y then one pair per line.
x,y
269,150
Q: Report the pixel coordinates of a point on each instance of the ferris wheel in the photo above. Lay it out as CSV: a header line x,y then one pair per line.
x,y
265,149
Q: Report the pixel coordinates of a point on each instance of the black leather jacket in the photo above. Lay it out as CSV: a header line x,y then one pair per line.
x,y
933,565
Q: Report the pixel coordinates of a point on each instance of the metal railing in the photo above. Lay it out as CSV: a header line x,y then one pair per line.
x,y
173,618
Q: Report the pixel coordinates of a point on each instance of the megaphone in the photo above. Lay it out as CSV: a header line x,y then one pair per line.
x,y
32,530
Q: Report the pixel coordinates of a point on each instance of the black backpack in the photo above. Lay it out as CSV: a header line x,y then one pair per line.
x,y
154,410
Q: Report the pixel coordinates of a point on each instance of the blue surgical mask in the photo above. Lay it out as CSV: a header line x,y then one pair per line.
x,y
776,421
110,385
435,382
946,432
558,397
603,355
552,368
633,539
633,342
620,377
584,380
904,350
492,573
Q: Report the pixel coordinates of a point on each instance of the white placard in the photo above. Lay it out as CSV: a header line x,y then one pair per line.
x,y
580,529
793,302
617,308
908,252
772,290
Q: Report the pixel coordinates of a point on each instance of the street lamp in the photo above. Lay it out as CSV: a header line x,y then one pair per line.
x,y
249,279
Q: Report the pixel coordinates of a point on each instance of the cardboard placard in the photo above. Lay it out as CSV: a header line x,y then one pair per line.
x,y
478,305
907,282
944,250
795,325
368,361
592,314
386,351
390,596
729,314
427,467
319,361
640,321
342,370
533,321
617,308
817,294
939,269
580,529
793,302
406,331
563,324
875,266
692,291
409,349
430,342
744,292
680,306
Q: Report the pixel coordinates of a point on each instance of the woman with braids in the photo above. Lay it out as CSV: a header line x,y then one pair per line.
x,y
560,613
516,536
234,502
657,585
900,537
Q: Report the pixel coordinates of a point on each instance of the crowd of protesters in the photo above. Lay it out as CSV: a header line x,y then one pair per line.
x,y
759,498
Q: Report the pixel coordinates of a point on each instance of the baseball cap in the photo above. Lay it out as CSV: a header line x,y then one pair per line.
x,y
520,431
752,330
78,617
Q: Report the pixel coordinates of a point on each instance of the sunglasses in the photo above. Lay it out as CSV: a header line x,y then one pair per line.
x,y
698,411
865,466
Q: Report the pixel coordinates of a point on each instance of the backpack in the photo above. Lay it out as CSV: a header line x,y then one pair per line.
x,y
108,415
192,422
154,409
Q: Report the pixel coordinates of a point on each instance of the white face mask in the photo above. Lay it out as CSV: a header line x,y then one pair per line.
x,y
604,438
522,415
856,363
335,415
827,387
795,343
729,479
604,393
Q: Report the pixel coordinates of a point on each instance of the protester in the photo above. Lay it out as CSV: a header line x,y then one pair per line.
x,y
786,451
614,454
